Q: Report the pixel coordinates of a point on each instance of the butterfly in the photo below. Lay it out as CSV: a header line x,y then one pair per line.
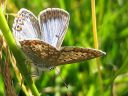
x,y
41,38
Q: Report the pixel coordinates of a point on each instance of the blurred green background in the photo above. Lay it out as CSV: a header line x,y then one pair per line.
x,y
82,78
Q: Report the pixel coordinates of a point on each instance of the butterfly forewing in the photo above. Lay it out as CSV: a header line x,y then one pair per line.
x,y
53,23
77,54
26,26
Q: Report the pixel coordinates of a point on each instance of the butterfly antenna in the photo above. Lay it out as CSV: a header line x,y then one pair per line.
x,y
58,73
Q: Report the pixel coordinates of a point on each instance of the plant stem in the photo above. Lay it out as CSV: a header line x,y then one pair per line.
x,y
96,44
17,52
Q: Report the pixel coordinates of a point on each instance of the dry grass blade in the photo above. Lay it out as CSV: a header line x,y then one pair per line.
x,y
6,72
96,43
1,43
5,68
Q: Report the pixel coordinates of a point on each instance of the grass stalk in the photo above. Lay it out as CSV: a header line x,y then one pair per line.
x,y
96,44
17,52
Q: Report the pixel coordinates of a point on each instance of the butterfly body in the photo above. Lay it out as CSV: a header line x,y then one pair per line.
x,y
41,39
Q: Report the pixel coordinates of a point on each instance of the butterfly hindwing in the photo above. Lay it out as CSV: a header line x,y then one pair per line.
x,y
42,54
76,54
53,23
26,26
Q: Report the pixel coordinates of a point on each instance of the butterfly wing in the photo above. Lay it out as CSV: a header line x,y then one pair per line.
x,y
53,23
26,26
43,55
76,54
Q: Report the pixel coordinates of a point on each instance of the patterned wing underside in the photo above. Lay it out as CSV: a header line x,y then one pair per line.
x,y
76,54
42,54
26,26
53,23
45,56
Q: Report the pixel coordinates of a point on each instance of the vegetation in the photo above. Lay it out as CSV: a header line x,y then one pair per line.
x,y
81,78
